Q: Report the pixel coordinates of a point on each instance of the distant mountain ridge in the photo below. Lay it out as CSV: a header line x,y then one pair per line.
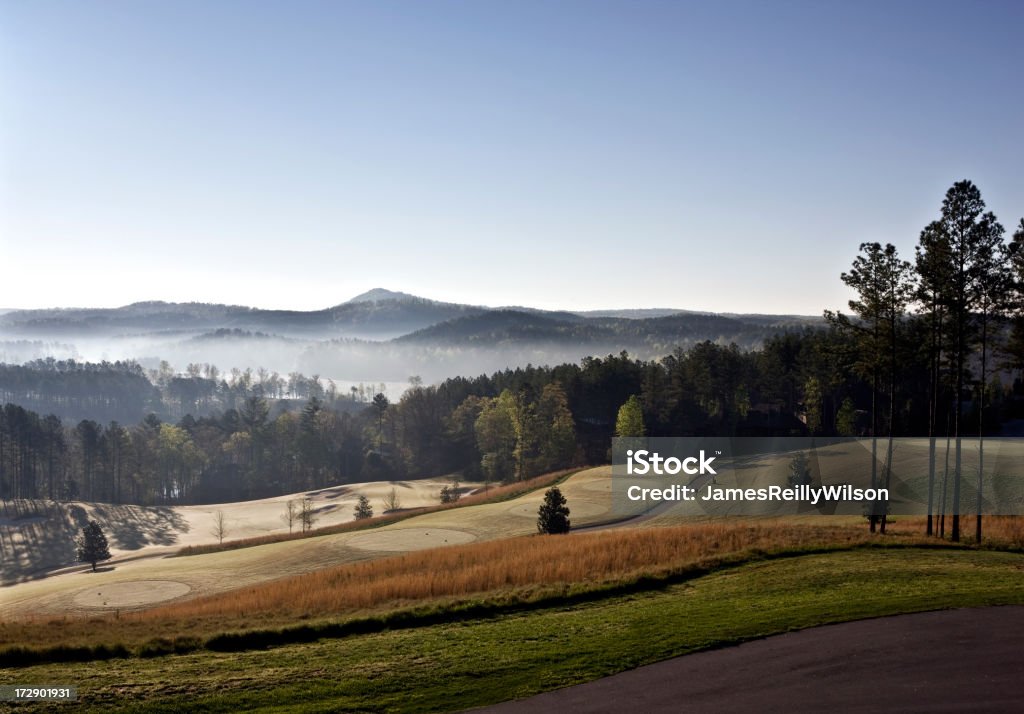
x,y
378,294
376,314
501,327
377,335
382,314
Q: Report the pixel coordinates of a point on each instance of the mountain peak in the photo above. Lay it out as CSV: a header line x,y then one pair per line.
x,y
382,294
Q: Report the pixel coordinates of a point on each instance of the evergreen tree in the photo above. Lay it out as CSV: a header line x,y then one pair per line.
x,y
553,515
971,235
380,405
363,508
884,289
933,268
92,545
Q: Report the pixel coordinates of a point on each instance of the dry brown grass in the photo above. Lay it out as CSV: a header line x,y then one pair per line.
x,y
1002,530
504,564
515,568
997,531
515,564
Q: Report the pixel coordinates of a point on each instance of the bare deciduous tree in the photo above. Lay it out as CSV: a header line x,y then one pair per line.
x,y
307,514
392,502
220,526
291,514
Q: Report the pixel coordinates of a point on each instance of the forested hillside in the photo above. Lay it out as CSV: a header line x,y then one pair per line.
x,y
503,426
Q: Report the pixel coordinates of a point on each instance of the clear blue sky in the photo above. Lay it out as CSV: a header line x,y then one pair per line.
x,y
722,156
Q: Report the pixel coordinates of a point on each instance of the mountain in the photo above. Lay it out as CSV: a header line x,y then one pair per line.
x,y
380,335
638,313
499,326
504,327
381,314
378,314
380,294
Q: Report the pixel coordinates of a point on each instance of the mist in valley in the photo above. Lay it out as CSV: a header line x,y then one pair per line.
x,y
378,337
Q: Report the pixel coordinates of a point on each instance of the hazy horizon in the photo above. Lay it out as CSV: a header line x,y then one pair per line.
x,y
270,306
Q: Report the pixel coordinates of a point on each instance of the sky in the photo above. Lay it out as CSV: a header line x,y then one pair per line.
x,y
726,156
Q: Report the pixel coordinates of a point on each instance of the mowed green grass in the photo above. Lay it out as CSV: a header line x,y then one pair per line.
x,y
453,666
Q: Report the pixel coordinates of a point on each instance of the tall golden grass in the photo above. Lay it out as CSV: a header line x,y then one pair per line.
x,y
514,568
494,566
997,531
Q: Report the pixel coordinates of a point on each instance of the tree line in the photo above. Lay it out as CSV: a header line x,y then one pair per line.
x,y
508,425
126,392
938,332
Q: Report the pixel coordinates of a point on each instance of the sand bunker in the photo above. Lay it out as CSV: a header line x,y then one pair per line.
x,y
404,539
131,594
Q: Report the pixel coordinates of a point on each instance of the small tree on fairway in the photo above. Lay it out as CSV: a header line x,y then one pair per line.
x,y
291,514
450,494
363,508
392,502
220,526
307,514
92,545
553,516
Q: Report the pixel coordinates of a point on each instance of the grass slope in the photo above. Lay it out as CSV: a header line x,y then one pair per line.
x,y
451,666
497,574
486,517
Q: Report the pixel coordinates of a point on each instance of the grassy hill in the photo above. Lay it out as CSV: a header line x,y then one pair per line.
x,y
491,614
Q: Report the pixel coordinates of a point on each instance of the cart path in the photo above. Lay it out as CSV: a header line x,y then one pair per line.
x,y
968,660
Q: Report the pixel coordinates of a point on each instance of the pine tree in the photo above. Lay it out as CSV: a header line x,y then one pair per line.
x,y
884,286
972,235
92,545
363,508
553,516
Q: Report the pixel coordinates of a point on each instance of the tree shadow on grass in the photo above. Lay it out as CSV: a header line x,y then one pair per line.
x,y
37,537
132,528
99,569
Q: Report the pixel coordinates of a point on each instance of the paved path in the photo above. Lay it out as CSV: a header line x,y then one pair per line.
x,y
946,661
